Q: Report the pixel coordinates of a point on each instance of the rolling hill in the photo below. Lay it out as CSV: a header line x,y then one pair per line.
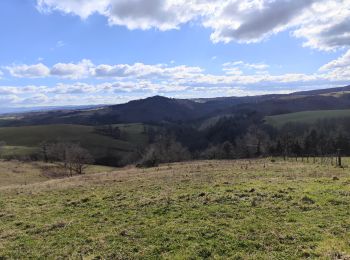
x,y
24,132
159,109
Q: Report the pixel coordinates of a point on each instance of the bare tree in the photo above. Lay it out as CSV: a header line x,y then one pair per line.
x,y
165,150
44,146
286,141
222,151
70,156
2,146
78,159
57,152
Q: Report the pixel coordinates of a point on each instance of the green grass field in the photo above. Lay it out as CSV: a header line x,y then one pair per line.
x,y
240,209
308,117
25,140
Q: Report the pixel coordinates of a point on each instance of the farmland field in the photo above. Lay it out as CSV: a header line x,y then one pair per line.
x,y
239,209
306,117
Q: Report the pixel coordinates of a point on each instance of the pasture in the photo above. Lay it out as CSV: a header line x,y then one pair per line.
x,y
307,117
238,209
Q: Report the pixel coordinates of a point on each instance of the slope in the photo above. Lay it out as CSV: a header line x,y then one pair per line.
x,y
195,210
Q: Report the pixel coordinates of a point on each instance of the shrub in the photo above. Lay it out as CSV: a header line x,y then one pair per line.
x,y
164,151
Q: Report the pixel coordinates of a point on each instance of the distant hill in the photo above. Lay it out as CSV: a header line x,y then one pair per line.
x,y
20,110
323,91
161,109
150,110
298,103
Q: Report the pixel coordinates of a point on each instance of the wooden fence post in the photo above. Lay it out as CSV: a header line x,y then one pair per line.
x,y
339,158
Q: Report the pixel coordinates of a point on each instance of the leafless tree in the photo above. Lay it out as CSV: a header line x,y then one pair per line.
x,y
165,150
44,146
71,156
2,146
78,159
57,152
222,151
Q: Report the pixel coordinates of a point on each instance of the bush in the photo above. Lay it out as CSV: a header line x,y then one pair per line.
x,y
149,159
222,151
164,151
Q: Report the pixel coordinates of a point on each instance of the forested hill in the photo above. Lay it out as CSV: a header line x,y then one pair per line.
x,y
159,109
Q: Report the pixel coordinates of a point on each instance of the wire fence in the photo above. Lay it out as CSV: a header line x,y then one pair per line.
x,y
335,160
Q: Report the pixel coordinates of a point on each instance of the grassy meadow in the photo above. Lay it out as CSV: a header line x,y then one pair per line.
x,y
239,209
14,173
308,117
25,140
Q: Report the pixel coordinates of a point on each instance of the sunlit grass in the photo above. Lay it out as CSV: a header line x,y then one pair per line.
x,y
245,209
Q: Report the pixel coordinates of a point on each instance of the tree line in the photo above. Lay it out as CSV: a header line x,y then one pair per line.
x,y
248,136
242,135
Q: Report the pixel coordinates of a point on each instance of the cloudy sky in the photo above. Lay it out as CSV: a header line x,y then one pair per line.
x,y
74,52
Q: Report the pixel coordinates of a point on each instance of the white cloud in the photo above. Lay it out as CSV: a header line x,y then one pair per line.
x,y
71,70
139,80
82,8
9,100
8,90
86,69
29,71
63,70
36,99
141,14
237,68
126,70
162,77
341,62
140,70
75,88
104,70
165,78
325,24
60,44
134,14
252,21
338,69
232,70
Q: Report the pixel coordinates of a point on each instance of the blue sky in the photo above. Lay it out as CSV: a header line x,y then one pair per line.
x,y
75,52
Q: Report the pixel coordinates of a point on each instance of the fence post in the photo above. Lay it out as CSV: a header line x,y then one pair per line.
x,y
339,158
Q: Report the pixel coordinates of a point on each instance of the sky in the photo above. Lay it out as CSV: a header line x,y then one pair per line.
x,y
86,52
